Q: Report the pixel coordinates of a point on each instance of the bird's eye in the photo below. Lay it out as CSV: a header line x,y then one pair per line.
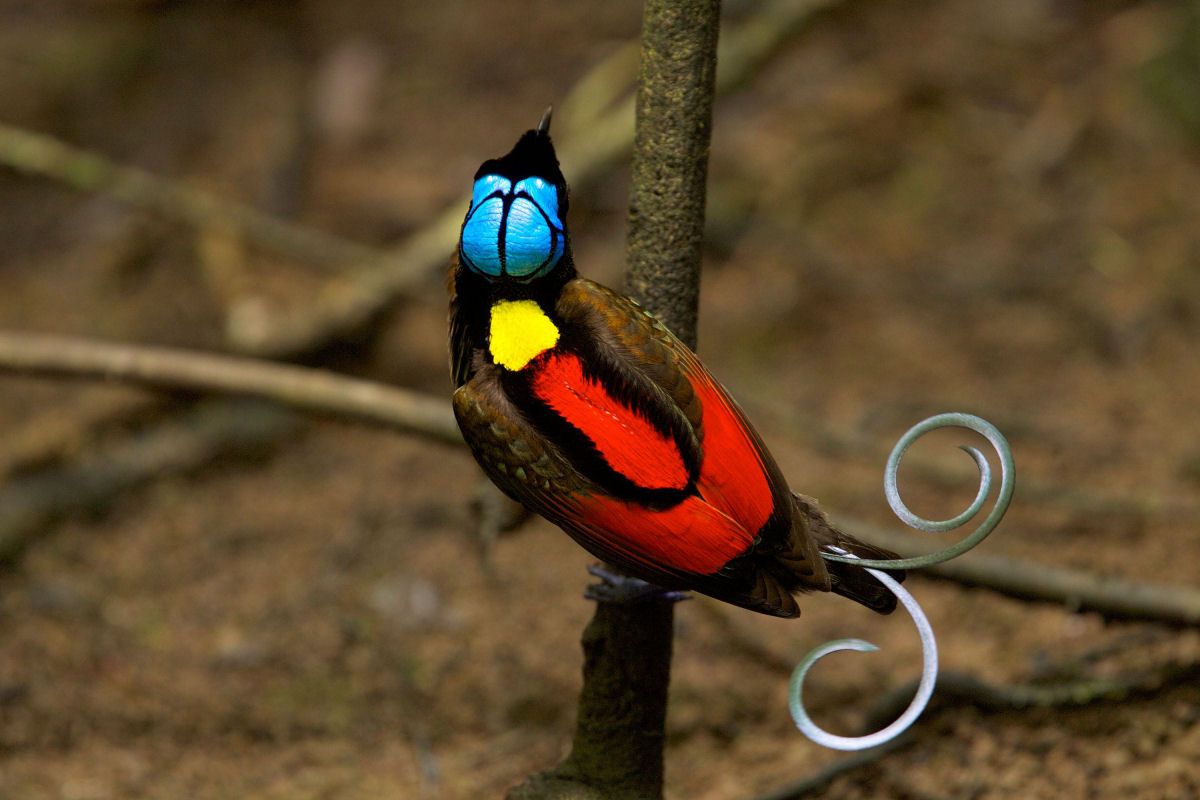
x,y
512,230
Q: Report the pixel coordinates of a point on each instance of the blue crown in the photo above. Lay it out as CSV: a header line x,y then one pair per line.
x,y
512,229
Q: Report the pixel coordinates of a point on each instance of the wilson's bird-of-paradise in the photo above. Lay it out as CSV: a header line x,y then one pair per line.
x,y
587,410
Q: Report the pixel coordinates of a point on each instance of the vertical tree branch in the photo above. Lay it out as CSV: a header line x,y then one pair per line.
x,y
670,159
617,750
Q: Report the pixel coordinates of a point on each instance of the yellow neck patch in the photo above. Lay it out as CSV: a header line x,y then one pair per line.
x,y
520,331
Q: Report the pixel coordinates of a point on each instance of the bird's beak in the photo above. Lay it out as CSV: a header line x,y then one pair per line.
x,y
544,126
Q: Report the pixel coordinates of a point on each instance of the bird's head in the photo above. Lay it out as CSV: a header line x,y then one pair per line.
x,y
515,229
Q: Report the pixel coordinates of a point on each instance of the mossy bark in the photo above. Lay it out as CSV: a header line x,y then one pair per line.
x,y
670,159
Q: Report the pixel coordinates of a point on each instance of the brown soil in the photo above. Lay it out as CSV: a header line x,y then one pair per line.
x,y
917,207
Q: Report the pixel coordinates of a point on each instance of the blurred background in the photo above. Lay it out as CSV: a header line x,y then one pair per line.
x,y
915,207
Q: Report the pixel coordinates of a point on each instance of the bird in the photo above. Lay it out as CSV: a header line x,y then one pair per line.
x,y
587,410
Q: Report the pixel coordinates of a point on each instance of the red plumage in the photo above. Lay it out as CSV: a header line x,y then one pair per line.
x,y
627,441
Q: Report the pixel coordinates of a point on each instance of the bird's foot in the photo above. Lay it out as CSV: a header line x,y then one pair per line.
x,y
626,590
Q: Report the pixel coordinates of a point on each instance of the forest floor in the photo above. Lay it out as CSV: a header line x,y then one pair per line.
x,y
915,208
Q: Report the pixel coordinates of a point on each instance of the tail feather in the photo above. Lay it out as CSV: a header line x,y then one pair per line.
x,y
852,582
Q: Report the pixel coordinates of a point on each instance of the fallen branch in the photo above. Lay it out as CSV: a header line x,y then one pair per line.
x,y
312,390
32,502
1112,598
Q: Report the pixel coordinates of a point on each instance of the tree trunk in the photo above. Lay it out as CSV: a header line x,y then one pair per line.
x,y
617,751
